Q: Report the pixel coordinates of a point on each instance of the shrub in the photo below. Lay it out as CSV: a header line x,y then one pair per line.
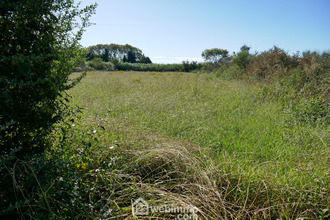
x,y
271,63
57,184
185,66
38,52
229,71
243,58
97,64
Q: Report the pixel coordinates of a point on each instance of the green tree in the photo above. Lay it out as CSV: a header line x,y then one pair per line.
x,y
105,56
115,51
243,58
39,48
90,56
245,48
144,59
215,55
131,57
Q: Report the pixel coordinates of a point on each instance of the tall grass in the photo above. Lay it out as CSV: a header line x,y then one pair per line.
x,y
273,164
179,139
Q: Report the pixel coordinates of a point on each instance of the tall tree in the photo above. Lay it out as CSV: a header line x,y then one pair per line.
x,y
131,57
243,58
116,52
214,55
105,56
145,59
124,59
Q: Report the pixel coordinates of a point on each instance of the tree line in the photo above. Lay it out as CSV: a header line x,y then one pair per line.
x,y
116,53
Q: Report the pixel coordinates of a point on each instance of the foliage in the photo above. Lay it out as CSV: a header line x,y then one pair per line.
x,y
271,63
186,66
229,71
215,55
299,82
243,58
116,52
39,49
131,58
145,59
98,64
63,182
105,55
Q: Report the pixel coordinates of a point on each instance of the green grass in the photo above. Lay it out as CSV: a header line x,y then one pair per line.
x,y
261,163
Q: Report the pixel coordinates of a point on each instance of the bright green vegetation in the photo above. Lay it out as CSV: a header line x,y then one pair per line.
x,y
233,149
254,154
245,136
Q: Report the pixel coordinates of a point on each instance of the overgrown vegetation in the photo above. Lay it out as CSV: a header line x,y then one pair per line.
x,y
38,51
285,77
247,158
247,138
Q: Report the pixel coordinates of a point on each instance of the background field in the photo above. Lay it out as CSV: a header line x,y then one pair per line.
x,y
255,154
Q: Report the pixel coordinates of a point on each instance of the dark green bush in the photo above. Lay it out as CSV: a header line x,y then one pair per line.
x,y
38,51
184,67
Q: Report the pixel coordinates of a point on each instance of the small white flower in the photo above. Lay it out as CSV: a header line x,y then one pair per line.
x,y
97,170
94,131
61,179
73,125
111,147
108,212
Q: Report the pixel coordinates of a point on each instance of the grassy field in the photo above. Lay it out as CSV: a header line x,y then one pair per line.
x,y
196,140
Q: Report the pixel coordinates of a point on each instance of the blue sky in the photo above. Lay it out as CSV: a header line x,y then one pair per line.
x,y
170,31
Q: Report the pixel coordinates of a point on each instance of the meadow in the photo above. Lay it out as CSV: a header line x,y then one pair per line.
x,y
197,140
104,133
